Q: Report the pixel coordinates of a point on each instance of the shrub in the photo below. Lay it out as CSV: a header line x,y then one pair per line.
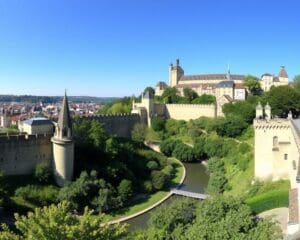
x,y
43,172
243,162
40,195
231,127
152,165
139,132
125,190
184,153
167,146
199,148
217,181
158,179
214,147
147,186
158,124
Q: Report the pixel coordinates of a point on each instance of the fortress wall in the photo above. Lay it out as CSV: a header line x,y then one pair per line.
x,y
159,109
270,160
120,125
20,154
190,111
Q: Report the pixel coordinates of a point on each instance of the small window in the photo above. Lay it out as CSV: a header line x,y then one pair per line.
x,y
285,156
294,165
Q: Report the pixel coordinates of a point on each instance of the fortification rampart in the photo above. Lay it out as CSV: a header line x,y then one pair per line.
x,y
120,125
276,151
19,154
190,111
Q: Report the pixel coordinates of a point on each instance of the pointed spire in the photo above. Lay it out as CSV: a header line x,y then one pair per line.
x,y
228,73
64,121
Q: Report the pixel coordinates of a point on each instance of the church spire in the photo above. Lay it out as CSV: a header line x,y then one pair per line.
x,y
228,73
64,123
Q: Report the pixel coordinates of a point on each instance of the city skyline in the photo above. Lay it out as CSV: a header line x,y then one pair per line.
x,y
112,48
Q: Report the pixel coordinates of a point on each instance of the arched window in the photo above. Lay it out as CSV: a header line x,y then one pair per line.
x,y
275,141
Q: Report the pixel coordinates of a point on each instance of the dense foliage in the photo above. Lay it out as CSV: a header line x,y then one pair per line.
x,y
123,105
214,218
43,172
57,222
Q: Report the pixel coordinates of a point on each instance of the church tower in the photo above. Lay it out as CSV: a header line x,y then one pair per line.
x,y
63,146
175,73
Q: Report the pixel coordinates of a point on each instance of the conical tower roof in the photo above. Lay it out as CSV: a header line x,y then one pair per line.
x,y
282,73
64,120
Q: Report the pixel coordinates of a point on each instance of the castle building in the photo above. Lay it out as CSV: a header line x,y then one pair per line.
x,y
63,146
36,126
268,80
213,84
19,154
277,156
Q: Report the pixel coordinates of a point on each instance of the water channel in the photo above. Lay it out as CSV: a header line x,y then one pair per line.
x,y
195,181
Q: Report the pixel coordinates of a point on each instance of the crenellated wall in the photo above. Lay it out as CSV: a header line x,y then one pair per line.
x,y
20,154
190,111
276,152
120,125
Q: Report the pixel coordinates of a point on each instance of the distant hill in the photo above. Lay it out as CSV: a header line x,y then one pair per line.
x,y
54,99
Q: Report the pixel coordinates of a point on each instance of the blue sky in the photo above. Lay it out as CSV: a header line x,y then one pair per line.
x,y
118,47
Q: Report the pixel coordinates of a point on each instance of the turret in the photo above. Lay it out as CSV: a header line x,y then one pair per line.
x,y
268,112
63,146
259,111
175,73
283,76
148,102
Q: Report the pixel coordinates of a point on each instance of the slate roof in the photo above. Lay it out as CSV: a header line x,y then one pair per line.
x,y
38,121
148,95
64,119
211,77
225,84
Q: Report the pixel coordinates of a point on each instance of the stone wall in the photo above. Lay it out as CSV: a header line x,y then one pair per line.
x,y
276,152
120,125
20,154
190,111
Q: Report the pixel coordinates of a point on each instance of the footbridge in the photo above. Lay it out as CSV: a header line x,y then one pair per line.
x,y
188,194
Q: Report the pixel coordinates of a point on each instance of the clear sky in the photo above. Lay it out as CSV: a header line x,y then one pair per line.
x,y
118,47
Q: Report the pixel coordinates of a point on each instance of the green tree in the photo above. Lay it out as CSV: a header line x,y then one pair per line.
x,y
283,99
229,218
158,179
297,82
43,172
125,190
204,99
57,222
170,95
158,124
252,83
167,146
231,127
184,153
242,109
199,150
139,132
217,178
189,94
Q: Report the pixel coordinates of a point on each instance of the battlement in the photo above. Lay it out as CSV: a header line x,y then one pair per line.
x,y
276,123
24,138
181,105
121,116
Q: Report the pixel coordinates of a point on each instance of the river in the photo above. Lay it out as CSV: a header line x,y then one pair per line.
x,y
196,181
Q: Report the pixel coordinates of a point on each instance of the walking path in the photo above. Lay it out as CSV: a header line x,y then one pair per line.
x,y
278,214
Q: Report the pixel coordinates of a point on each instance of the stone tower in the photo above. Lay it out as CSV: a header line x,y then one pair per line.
x,y
63,146
175,73
259,111
148,103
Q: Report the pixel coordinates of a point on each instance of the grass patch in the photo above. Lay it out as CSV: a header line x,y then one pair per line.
x,y
269,200
149,200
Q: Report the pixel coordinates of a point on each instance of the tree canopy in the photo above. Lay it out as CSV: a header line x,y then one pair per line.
x,y
252,83
57,222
